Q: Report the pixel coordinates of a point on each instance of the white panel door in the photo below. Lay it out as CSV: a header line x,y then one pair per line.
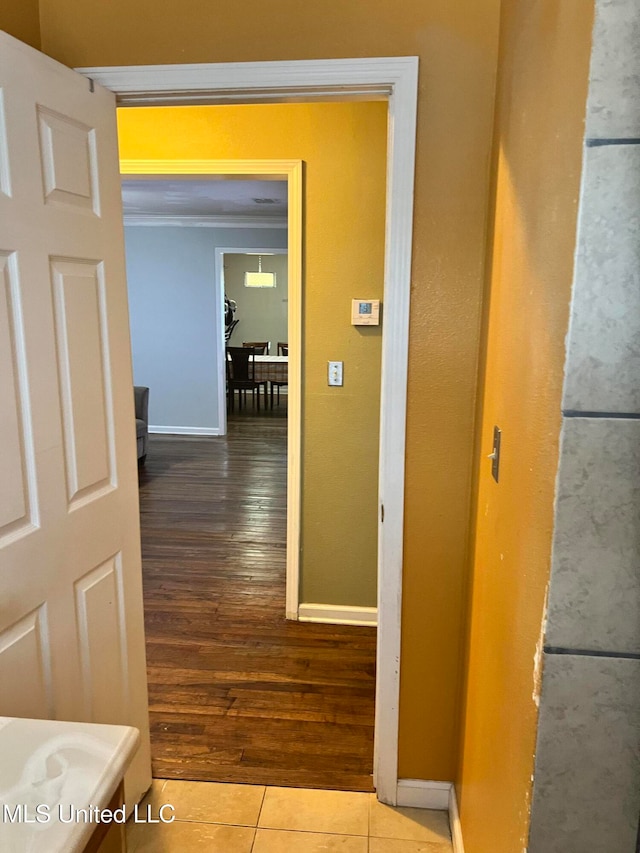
x,y
71,621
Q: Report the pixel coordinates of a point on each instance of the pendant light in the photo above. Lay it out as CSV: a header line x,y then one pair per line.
x,y
259,279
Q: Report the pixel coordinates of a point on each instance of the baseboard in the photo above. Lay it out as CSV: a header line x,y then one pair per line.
x,y
454,822
184,430
424,794
337,614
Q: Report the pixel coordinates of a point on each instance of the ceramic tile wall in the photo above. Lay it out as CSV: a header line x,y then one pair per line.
x,y
588,761
614,87
594,597
603,348
587,773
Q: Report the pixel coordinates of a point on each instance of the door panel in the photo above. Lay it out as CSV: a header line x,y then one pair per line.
x,y
71,622
16,459
103,640
87,417
68,160
5,181
24,651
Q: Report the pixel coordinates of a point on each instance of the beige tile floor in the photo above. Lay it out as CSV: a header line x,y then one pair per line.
x,y
218,818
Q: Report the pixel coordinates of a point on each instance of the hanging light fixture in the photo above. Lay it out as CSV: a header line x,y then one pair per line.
x,y
259,279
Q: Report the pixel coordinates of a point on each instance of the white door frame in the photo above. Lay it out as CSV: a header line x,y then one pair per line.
x,y
218,266
394,79
291,172
294,400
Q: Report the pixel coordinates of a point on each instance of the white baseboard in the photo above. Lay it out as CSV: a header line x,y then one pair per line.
x,y
184,430
423,794
454,821
338,614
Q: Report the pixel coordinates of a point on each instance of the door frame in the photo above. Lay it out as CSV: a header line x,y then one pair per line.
x,y
296,284
294,399
291,172
394,79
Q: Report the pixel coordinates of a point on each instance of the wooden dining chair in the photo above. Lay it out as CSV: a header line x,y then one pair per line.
x,y
283,349
241,375
261,347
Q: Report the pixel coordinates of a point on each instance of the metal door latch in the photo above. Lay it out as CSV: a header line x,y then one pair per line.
x,y
495,455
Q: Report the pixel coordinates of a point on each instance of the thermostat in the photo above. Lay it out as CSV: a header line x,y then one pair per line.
x,y
365,312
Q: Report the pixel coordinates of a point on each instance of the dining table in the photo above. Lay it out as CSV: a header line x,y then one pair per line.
x,y
271,368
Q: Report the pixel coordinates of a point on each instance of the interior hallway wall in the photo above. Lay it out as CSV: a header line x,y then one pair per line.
x,y
587,770
542,90
172,309
457,45
21,19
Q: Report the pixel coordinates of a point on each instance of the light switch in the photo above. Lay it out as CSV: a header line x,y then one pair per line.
x,y
335,373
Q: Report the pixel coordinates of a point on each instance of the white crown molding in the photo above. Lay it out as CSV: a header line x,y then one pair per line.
x,y
338,614
168,220
184,430
257,82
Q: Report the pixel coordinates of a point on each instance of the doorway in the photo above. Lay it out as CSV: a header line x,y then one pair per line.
x,y
289,171
257,318
344,194
394,80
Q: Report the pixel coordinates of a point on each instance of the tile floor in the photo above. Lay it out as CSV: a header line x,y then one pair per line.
x,y
214,817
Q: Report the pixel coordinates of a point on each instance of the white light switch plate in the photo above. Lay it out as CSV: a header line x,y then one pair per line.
x,y
335,373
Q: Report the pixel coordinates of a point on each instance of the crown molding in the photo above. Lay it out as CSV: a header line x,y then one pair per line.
x,y
372,78
210,221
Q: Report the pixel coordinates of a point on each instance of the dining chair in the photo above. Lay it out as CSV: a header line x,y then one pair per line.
x,y
261,347
283,349
241,367
228,331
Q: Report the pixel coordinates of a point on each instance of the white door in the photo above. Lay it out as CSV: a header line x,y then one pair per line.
x,y
71,620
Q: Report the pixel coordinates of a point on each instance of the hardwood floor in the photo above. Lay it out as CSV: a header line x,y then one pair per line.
x,y
238,693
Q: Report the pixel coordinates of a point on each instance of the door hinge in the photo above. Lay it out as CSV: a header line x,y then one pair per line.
x,y
381,512
92,86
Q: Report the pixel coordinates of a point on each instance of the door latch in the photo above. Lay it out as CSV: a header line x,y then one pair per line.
x,y
494,456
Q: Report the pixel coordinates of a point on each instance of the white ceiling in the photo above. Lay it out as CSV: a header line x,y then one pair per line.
x,y
204,197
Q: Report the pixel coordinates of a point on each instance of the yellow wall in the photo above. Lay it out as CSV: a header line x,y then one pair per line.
x,y
21,19
543,73
457,46
343,147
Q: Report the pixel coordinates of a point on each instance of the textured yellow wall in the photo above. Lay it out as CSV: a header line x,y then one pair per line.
x,y
457,45
543,73
21,19
343,147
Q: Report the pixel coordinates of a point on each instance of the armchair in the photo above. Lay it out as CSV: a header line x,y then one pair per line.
x,y
141,401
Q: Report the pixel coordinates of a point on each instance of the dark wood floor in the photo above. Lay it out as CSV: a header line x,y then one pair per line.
x,y
238,693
